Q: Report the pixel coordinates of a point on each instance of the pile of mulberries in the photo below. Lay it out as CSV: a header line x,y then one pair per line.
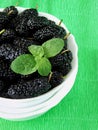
x,y
17,32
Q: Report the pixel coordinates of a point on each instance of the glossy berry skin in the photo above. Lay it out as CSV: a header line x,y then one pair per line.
x,y
65,44
7,36
51,22
29,89
22,28
29,13
11,11
24,43
37,23
58,60
43,34
3,20
69,55
10,52
20,21
62,62
65,69
48,32
6,73
56,79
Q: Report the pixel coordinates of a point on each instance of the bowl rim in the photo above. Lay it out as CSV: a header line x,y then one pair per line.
x,y
59,86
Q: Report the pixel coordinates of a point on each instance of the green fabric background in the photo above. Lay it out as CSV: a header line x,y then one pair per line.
x,y
79,109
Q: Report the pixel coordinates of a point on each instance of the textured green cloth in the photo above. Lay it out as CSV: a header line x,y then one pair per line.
x,y
79,109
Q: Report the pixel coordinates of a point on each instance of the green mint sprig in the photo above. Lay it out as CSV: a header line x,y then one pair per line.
x,y
38,59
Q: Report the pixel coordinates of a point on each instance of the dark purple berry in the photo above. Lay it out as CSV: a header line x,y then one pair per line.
x,y
29,13
7,36
22,28
37,23
62,62
56,79
11,11
10,52
23,43
6,73
3,20
29,89
48,32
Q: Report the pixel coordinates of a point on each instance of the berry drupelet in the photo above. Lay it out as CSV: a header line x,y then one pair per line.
x,y
37,23
6,73
62,62
24,43
29,13
55,78
29,89
10,52
22,28
3,20
11,11
49,32
7,36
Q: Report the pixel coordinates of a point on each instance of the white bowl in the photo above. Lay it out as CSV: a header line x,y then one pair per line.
x,y
22,109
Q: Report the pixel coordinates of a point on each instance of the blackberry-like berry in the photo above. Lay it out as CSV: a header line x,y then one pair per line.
x,y
48,32
13,23
43,34
56,79
3,65
7,36
3,20
29,89
10,52
62,62
65,44
11,11
24,43
65,68
37,23
6,73
24,16
41,85
51,22
58,60
69,55
61,32
22,28
29,13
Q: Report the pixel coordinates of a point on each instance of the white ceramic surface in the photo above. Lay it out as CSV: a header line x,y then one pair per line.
x,y
22,109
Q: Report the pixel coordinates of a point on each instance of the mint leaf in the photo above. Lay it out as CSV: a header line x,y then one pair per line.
x,y
24,64
44,67
36,50
53,47
28,63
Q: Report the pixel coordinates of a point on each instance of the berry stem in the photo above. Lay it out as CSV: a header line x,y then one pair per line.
x,y
2,31
64,51
60,22
66,36
10,12
50,75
